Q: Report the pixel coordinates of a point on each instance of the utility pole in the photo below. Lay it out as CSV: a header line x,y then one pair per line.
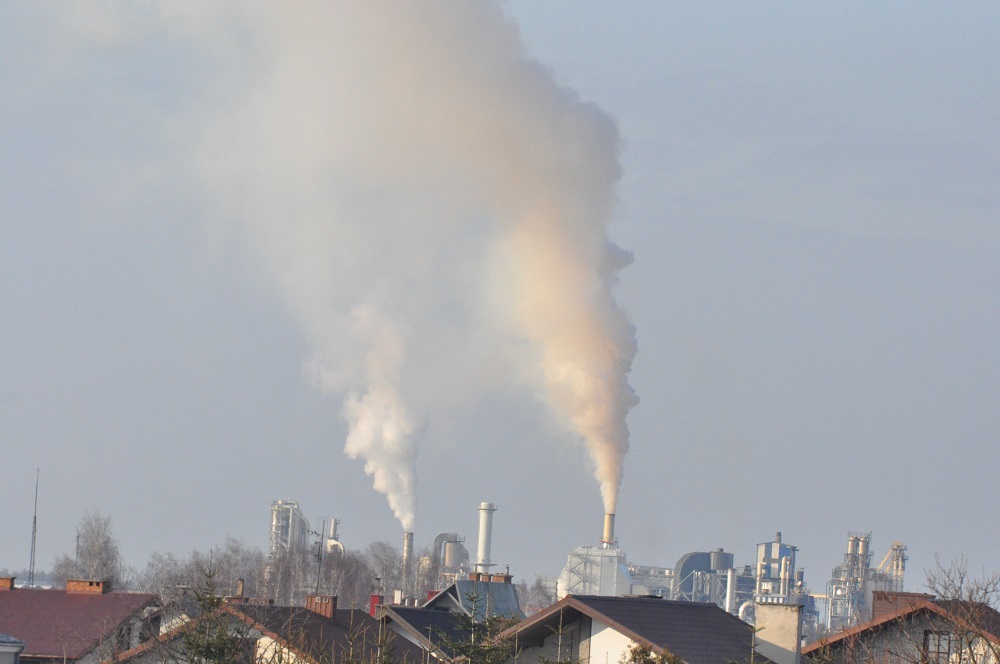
x,y
34,534
319,554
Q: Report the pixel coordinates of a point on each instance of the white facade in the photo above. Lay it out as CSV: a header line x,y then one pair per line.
x,y
594,570
289,527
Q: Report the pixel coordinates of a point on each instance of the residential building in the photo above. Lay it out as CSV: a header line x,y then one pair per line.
x,y
602,630
446,615
262,633
10,649
84,623
915,627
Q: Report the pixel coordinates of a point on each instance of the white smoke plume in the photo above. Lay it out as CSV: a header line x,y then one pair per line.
x,y
432,206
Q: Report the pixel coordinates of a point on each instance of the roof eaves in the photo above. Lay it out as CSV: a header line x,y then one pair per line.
x,y
911,608
253,623
408,627
594,614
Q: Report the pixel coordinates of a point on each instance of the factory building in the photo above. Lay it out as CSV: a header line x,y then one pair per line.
x,y
289,527
712,577
596,570
852,583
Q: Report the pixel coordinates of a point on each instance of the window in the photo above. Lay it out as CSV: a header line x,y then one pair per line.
x,y
939,647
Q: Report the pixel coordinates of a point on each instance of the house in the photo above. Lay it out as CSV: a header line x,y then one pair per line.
x,y
10,649
602,630
915,627
260,632
479,596
447,615
83,623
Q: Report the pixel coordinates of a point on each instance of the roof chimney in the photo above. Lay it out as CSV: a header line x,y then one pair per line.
x,y
778,632
324,605
373,604
7,583
87,587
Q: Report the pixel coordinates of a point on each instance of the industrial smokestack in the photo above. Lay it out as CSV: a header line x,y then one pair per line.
x,y
407,558
608,539
483,562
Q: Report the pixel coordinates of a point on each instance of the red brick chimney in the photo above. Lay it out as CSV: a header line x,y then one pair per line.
x,y
7,583
81,587
324,605
887,601
373,604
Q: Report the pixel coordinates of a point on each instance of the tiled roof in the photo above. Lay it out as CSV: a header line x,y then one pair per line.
x,y
426,624
54,623
351,632
985,618
432,627
696,632
973,616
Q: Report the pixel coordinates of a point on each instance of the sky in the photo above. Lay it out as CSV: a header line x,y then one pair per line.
x,y
220,225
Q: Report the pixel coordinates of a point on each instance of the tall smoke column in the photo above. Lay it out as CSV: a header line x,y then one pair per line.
x,y
432,206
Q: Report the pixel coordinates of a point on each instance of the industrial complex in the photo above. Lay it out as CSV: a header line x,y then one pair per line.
x,y
603,569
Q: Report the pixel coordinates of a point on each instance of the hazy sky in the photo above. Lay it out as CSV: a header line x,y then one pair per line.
x,y
811,194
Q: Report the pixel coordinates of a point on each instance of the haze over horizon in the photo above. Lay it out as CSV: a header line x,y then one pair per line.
x,y
810,193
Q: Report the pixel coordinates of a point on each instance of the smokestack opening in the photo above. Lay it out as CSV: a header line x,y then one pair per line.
x,y
608,539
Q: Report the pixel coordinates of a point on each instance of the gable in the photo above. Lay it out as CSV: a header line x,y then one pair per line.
x,y
697,633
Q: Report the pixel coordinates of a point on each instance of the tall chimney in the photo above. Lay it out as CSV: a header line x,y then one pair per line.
x,y
483,562
608,539
407,559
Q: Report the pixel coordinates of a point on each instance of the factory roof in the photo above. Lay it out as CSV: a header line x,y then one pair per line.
x,y
698,633
65,624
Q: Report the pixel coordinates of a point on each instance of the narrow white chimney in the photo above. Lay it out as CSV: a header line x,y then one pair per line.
x,y
483,562
730,590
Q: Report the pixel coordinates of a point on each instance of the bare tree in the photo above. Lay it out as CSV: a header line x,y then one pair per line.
x,y
973,601
387,562
957,622
96,555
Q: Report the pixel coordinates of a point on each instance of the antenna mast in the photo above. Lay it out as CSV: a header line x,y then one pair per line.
x,y
34,534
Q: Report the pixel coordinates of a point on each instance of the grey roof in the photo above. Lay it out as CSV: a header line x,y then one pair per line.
x,y
479,599
348,631
429,626
696,632
10,640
